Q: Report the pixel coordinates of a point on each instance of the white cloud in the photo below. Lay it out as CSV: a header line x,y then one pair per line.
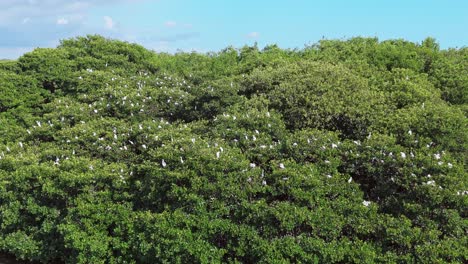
x,y
253,35
170,24
62,21
108,22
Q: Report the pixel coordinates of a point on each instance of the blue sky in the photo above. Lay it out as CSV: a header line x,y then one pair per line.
x,y
211,25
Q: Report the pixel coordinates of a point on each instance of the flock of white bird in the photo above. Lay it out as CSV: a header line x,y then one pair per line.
x,y
172,93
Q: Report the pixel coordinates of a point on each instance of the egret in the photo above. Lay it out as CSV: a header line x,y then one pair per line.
x,y
163,163
366,203
21,144
403,155
430,183
281,165
350,179
217,154
252,165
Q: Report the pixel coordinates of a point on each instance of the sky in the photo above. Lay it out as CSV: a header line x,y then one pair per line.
x,y
212,25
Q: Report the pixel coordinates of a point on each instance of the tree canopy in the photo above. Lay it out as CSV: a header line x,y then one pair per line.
x,y
346,151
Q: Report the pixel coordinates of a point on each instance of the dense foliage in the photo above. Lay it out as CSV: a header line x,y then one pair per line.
x,y
343,152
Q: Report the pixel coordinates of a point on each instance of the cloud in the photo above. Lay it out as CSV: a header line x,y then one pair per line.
x,y
108,22
26,24
62,21
170,24
253,35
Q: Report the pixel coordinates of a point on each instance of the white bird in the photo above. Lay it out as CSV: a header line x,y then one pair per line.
x,y
252,165
144,146
366,203
217,154
21,144
410,132
38,123
163,163
181,160
350,179
437,156
334,145
403,155
281,165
